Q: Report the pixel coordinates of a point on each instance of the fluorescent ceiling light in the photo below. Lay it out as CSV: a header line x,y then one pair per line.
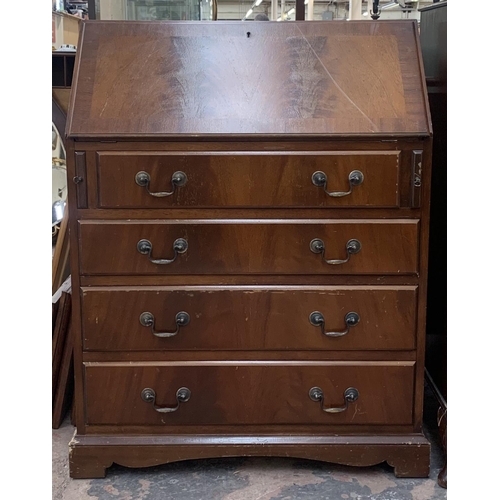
x,y
249,12
290,12
258,2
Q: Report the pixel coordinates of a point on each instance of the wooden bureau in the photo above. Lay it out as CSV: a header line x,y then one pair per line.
x,y
249,208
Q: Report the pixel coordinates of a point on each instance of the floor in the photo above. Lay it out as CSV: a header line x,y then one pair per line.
x,y
249,478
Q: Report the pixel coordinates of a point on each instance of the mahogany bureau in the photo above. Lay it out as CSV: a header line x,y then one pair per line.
x,y
249,209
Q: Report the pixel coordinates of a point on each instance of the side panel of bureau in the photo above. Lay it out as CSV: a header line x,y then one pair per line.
x,y
249,318
249,393
249,247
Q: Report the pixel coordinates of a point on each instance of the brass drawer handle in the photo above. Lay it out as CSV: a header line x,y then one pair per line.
x,y
178,179
350,395
145,247
318,246
317,319
181,319
320,179
182,395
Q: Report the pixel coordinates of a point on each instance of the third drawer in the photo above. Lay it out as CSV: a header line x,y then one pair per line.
x,y
249,318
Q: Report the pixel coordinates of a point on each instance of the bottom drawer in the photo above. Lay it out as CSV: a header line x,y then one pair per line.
x,y
249,393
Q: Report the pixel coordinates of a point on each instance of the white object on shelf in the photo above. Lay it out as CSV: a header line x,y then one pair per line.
x,y
66,48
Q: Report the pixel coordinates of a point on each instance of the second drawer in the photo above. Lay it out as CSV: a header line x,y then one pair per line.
x,y
270,246
249,318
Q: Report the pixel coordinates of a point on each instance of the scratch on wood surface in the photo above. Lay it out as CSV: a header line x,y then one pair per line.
x,y
104,107
375,128
355,411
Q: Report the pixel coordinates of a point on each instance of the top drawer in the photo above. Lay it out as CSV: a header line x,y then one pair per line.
x,y
246,179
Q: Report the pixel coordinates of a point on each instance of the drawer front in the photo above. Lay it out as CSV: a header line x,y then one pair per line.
x,y
248,179
249,393
250,247
249,318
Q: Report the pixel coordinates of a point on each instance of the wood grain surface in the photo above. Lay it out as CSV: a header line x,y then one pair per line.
x,y
90,455
249,247
248,180
140,79
249,393
249,318
249,131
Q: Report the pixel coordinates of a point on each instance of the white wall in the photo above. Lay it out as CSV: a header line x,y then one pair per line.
x,y
113,9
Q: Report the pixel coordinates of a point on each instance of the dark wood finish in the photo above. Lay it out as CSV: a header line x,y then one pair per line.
x,y
73,408
248,180
154,144
247,213
55,307
250,247
203,79
249,318
59,337
91,455
81,179
75,284
63,394
248,355
415,179
253,393
228,431
107,280
188,97
62,358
